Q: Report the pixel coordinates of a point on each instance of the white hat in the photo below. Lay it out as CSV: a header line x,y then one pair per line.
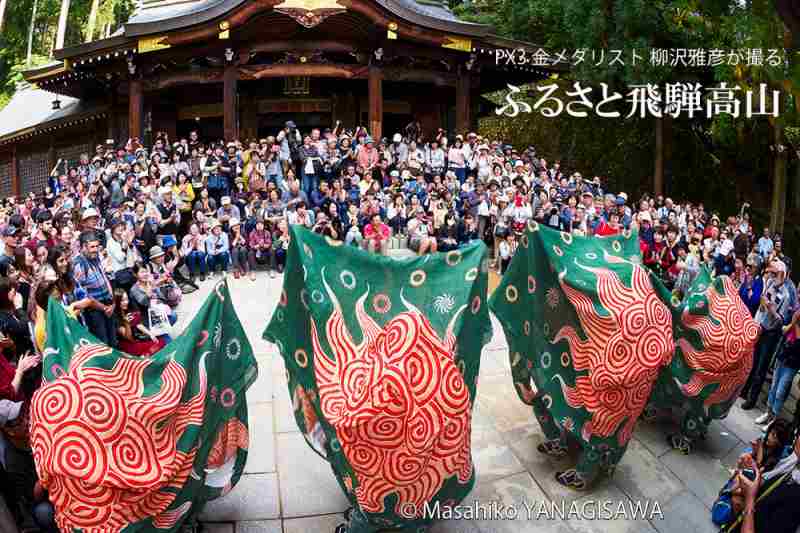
x,y
234,222
777,265
225,200
164,190
89,213
502,198
397,138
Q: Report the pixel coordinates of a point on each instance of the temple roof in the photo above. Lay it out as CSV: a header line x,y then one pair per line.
x,y
31,110
164,15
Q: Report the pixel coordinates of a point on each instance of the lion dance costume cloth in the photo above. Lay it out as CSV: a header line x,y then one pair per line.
x,y
591,332
135,444
382,359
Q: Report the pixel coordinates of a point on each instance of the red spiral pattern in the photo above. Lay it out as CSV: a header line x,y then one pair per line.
x,y
657,313
454,393
751,331
41,444
424,375
356,382
611,398
619,355
385,432
652,346
421,429
624,346
401,334
397,396
365,458
634,323
638,395
404,468
451,440
58,401
79,452
98,495
85,514
135,456
602,378
105,410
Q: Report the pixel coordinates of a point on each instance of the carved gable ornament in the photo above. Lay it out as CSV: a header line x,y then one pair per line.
x,y
309,13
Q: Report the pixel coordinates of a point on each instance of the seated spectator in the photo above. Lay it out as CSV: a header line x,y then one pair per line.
x,y
280,242
420,233
193,250
764,500
260,250
447,234
134,337
376,236
218,252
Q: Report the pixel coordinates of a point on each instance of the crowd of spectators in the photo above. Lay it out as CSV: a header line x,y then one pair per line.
x,y
122,234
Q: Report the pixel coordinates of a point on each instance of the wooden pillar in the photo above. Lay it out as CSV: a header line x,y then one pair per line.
x,y
51,156
463,106
248,117
229,113
375,87
15,188
135,109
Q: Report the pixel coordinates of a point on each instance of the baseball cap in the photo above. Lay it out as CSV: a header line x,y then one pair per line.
x,y
10,231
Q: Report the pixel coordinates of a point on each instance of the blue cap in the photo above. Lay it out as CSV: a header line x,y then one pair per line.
x,y
168,241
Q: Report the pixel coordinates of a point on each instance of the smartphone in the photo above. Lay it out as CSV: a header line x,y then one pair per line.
x,y
749,473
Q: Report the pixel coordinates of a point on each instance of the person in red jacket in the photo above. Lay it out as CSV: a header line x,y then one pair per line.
x,y
612,227
376,236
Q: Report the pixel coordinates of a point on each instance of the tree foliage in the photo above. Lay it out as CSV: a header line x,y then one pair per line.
x,y
14,37
721,159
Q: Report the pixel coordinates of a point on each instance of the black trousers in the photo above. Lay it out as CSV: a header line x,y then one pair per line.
x,y
101,326
762,357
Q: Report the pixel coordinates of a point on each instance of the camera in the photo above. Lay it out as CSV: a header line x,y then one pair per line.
x,y
749,473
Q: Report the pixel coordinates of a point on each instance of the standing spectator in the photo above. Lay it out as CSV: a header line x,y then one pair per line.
x,y
765,244
239,254
772,314
786,367
751,287
507,249
310,166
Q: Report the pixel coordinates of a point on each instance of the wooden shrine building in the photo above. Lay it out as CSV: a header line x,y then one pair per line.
x,y
238,69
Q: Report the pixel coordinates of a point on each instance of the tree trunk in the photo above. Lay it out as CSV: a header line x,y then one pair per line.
x,y
658,171
62,24
90,27
30,33
2,13
778,210
796,202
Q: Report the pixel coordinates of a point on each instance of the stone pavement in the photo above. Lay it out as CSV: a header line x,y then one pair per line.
x,y
287,488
